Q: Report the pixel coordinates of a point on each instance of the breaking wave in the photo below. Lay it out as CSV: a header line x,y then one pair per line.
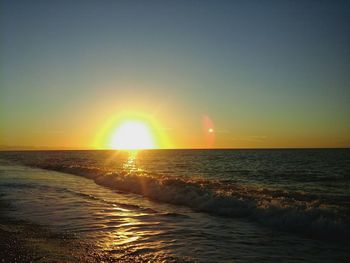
x,y
299,212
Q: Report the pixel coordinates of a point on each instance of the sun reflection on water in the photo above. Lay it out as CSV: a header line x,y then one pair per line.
x,y
125,234
130,164
128,235
130,229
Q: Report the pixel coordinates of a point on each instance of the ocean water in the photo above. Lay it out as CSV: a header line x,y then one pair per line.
x,y
192,205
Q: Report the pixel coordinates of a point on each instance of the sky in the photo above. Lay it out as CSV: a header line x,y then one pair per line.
x,y
259,74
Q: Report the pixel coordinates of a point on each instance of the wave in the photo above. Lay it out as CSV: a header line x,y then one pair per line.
x,y
289,211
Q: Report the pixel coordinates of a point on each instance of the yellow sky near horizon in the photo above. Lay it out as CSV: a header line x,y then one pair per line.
x,y
257,79
96,132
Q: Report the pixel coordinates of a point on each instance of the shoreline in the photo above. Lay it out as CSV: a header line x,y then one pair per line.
x,y
52,204
23,241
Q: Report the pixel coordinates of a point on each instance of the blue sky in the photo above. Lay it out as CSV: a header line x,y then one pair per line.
x,y
274,70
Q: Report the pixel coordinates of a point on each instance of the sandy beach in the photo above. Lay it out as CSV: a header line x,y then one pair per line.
x,y
175,131
61,214
23,241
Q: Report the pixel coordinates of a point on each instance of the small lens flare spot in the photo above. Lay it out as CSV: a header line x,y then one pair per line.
x,y
210,130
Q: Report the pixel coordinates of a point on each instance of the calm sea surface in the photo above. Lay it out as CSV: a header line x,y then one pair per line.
x,y
196,205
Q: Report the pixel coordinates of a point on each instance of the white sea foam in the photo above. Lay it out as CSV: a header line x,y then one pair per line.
x,y
296,212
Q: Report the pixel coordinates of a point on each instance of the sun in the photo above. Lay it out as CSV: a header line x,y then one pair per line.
x,y
131,130
132,135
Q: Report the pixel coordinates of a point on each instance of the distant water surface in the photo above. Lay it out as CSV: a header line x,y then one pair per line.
x,y
200,205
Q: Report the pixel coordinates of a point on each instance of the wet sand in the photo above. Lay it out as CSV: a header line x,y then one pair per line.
x,y
22,241
25,242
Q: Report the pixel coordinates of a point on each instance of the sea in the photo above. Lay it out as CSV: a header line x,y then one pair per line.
x,y
273,205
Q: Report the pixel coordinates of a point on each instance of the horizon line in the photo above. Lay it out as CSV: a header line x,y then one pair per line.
x,y
11,149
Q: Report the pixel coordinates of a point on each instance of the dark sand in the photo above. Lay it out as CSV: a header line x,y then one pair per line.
x,y
22,241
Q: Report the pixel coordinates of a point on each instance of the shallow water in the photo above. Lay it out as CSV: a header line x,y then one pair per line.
x,y
196,205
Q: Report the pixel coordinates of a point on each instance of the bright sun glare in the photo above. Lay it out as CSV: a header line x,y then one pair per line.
x,y
132,135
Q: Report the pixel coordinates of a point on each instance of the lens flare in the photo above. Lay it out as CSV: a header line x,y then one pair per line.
x,y
209,131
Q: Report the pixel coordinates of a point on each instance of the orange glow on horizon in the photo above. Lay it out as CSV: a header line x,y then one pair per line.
x,y
131,131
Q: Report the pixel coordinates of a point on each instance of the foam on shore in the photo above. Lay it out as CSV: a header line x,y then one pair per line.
x,y
295,212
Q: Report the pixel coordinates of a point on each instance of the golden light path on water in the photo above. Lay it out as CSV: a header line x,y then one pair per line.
x,y
130,164
127,210
132,233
